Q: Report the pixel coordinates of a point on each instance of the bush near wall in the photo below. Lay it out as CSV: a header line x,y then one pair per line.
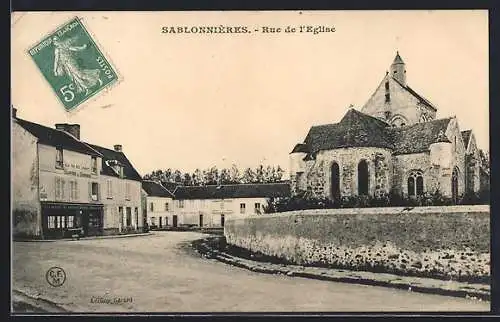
x,y
303,201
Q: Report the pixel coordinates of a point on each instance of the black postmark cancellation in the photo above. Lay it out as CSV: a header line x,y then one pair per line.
x,y
55,276
110,299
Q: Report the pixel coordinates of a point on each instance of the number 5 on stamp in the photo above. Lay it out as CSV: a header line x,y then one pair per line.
x,y
74,66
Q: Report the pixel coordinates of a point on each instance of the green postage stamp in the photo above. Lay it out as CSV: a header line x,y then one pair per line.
x,y
74,66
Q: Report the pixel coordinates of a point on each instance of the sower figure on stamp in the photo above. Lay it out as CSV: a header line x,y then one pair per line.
x,y
66,64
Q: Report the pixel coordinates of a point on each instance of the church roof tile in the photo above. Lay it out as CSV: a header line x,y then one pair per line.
x,y
357,129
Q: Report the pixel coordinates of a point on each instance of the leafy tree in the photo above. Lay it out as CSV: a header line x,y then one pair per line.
x,y
248,176
197,177
279,173
225,178
187,180
234,174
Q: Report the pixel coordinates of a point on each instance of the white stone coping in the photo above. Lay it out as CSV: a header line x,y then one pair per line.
x,y
471,209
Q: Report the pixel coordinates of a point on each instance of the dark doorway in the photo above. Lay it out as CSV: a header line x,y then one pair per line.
x,y
129,216
363,178
454,185
335,182
222,220
94,223
174,220
160,222
201,220
120,216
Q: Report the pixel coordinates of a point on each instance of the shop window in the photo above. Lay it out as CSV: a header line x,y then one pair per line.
x,y
71,220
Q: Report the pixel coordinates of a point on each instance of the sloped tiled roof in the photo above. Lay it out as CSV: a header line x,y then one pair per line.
x,y
418,137
129,172
356,129
420,98
154,189
263,190
171,186
466,136
301,147
56,138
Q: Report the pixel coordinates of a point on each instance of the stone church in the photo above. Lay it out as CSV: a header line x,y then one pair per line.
x,y
394,144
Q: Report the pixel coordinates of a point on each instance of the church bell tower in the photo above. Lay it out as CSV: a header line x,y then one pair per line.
x,y
398,69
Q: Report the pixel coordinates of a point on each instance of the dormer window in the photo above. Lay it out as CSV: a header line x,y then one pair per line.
x,y
116,166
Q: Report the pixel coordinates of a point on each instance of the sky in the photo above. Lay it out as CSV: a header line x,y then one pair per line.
x,y
187,101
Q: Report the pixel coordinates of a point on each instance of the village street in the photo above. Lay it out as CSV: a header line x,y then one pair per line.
x,y
161,273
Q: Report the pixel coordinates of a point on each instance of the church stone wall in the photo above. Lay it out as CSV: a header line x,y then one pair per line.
x,y
401,103
319,171
404,164
439,242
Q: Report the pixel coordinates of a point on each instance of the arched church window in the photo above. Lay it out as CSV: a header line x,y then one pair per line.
x,y
415,183
363,178
335,182
398,120
454,185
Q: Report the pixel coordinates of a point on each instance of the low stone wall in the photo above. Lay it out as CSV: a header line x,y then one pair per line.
x,y
439,242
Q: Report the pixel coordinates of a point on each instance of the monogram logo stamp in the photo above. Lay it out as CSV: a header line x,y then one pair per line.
x,y
72,64
55,276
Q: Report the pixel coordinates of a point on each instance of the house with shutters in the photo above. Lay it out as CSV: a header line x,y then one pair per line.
x,y
159,204
210,205
393,144
62,185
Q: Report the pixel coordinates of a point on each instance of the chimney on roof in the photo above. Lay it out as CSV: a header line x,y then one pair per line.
x,y
72,129
14,112
118,147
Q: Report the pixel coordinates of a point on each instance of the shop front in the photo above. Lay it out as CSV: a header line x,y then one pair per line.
x,y
62,219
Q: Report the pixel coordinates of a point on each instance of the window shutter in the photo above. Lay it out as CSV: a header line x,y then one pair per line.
x,y
90,191
62,188
98,191
56,188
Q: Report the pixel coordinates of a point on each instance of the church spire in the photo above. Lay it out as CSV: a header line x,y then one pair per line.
x,y
398,69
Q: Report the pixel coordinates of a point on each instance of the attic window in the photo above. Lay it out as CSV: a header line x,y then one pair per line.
x,y
395,72
386,86
387,98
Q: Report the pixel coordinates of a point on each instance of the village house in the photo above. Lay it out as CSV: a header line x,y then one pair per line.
x,y
394,144
209,206
159,205
62,185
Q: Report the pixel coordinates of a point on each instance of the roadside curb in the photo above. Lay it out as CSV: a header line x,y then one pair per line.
x,y
83,238
204,248
37,302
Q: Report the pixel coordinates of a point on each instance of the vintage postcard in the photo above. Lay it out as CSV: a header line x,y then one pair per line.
x,y
250,161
